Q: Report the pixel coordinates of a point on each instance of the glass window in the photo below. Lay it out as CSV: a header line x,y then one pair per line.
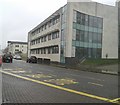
x,y
99,38
90,37
91,20
95,37
77,35
86,37
82,19
95,22
82,36
86,20
98,53
100,23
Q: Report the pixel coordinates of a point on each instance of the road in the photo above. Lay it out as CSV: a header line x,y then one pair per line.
x,y
36,83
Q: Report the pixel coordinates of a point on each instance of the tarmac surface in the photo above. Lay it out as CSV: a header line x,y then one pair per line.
x,y
34,83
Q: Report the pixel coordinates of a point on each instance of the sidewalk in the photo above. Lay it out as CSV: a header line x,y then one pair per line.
x,y
112,69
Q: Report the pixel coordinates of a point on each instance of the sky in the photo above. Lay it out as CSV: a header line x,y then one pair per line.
x,y
18,17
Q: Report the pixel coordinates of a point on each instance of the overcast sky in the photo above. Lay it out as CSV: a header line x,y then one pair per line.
x,y
18,17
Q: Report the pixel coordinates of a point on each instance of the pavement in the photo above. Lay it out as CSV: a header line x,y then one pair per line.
x,y
110,69
35,83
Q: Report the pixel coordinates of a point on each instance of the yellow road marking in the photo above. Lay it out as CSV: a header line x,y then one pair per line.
x,y
116,100
95,84
61,88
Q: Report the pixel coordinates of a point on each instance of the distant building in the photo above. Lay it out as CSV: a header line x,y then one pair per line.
x,y
15,47
77,30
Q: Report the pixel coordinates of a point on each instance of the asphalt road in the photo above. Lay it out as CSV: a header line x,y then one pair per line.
x,y
35,83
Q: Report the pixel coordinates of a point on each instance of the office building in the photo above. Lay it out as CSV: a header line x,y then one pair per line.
x,y
77,30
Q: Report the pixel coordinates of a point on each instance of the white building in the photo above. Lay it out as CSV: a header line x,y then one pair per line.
x,y
15,47
75,31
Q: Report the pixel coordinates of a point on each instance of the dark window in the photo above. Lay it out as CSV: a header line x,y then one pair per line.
x,y
49,37
86,37
82,36
100,23
16,45
49,50
77,35
91,21
86,20
99,38
95,38
90,37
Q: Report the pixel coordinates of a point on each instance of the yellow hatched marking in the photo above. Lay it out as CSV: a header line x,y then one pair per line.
x,y
61,88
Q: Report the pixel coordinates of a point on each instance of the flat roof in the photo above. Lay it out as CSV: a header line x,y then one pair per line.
x,y
17,42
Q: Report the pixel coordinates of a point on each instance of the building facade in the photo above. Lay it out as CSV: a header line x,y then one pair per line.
x,y
15,47
77,30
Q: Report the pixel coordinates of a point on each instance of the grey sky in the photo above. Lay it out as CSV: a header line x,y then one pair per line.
x,y
18,17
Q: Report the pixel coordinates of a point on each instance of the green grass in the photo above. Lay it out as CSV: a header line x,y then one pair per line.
x,y
98,62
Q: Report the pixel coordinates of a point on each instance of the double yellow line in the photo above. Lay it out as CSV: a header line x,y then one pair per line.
x,y
65,89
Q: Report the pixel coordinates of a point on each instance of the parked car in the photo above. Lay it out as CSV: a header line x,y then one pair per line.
x,y
17,57
32,59
7,58
0,60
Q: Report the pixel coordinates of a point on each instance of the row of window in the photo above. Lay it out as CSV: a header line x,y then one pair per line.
x,y
91,37
45,38
88,20
86,45
48,50
47,25
86,28
17,46
16,50
81,52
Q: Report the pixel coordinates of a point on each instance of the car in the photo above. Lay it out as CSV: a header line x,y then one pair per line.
x,y
7,58
32,59
0,60
18,57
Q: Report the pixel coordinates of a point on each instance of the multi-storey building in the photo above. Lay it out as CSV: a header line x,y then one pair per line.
x,y
15,47
75,31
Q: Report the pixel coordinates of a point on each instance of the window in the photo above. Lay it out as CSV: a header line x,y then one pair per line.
x,y
95,38
90,37
100,23
49,37
86,37
16,45
82,36
91,20
86,20
77,35
16,49
49,50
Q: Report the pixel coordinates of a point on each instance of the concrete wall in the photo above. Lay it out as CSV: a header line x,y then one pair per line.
x,y
110,25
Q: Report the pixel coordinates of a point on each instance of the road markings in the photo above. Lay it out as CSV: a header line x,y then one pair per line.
x,y
95,84
116,100
65,81
61,88
39,76
7,69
